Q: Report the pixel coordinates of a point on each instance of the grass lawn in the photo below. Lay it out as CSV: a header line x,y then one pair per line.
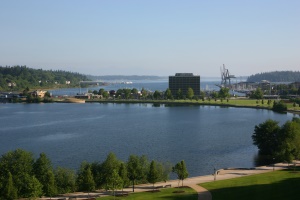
x,y
276,185
166,194
231,102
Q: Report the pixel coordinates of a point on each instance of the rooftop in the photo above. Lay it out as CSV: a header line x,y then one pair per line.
x,y
184,74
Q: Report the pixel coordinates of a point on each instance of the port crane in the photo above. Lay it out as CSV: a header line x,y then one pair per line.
x,y
225,77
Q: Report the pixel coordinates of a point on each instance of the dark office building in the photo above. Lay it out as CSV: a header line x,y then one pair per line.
x,y
183,81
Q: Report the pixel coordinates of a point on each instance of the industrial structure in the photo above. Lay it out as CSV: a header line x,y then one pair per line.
x,y
225,77
184,81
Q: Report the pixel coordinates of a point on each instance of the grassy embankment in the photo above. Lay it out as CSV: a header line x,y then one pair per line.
x,y
233,102
166,194
277,185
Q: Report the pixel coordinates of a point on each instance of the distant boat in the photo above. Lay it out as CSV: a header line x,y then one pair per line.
x,y
127,82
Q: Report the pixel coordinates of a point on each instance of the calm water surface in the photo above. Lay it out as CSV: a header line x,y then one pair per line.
x,y
204,136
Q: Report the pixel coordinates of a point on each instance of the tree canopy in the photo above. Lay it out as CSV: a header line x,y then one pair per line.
x,y
257,94
281,143
224,93
18,78
190,93
181,171
276,76
24,177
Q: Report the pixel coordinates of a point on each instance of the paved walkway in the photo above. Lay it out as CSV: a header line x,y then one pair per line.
x,y
203,194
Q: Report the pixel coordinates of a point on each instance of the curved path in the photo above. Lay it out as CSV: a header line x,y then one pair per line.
x,y
203,194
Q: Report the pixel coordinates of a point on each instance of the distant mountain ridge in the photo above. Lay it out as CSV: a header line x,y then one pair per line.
x,y
126,77
276,76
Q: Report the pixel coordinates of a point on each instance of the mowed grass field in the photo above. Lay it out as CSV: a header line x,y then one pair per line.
x,y
238,102
277,185
165,194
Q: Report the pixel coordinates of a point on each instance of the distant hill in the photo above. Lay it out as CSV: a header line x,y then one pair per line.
x,y
276,76
17,78
121,77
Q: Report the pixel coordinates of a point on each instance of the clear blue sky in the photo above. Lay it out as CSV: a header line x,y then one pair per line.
x,y
154,37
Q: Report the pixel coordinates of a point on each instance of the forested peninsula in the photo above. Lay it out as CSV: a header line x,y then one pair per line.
x,y
17,78
276,76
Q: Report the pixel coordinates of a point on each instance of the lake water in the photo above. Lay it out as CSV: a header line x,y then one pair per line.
x,y
204,136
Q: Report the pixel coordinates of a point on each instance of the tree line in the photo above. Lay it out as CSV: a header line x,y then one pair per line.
x,y
133,93
278,143
17,78
276,76
22,176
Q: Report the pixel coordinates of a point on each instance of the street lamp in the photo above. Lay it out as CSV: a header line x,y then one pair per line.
x,y
215,175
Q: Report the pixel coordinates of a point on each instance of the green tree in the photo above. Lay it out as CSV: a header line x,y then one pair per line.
x,y
50,188
134,169
32,187
42,169
257,94
190,93
123,175
105,94
127,93
164,170
265,137
85,180
65,180
181,171
214,95
224,93
9,191
114,181
107,168
144,93
156,94
279,106
179,94
153,174
101,91
134,91
20,164
168,94
289,138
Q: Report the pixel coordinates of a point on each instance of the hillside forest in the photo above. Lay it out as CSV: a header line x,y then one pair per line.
x,y
276,76
18,78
